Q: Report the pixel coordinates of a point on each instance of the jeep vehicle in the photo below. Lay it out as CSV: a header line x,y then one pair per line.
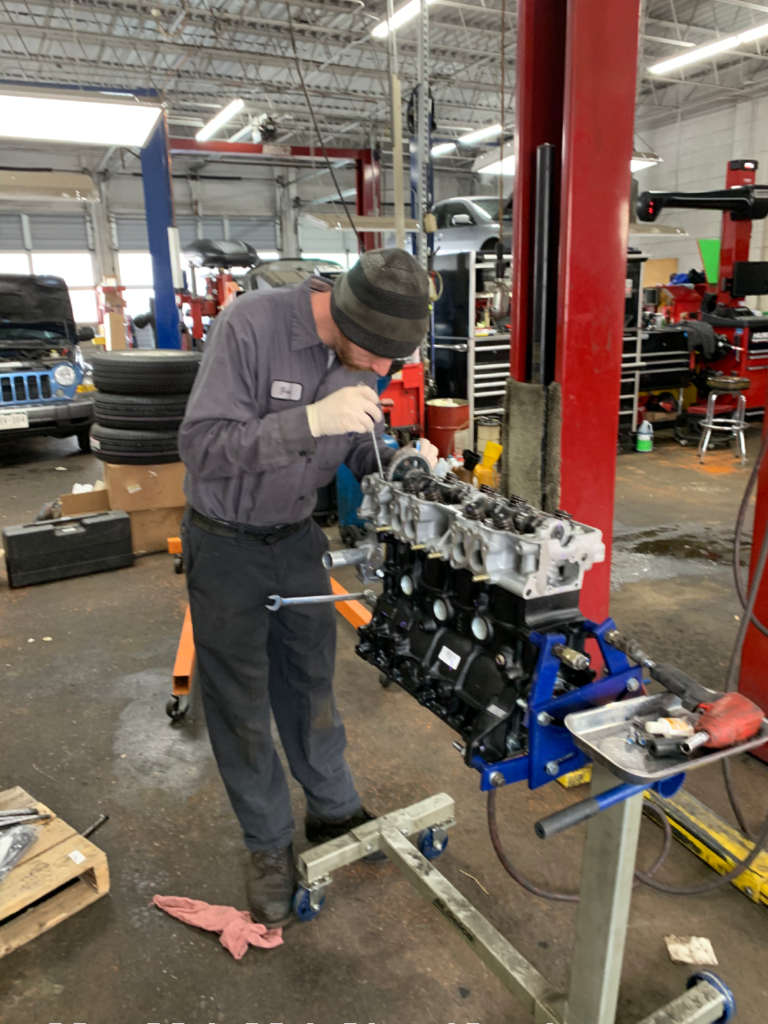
x,y
41,365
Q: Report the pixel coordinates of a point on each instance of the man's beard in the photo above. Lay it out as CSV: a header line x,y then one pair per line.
x,y
345,355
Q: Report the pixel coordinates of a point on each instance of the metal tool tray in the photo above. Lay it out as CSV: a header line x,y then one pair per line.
x,y
604,734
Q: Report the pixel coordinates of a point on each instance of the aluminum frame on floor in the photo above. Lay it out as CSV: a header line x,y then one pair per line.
x,y
601,924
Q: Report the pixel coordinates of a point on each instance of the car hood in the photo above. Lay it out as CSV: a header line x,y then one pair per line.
x,y
38,302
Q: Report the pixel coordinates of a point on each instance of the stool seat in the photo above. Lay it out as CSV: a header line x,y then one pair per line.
x,y
728,384
730,416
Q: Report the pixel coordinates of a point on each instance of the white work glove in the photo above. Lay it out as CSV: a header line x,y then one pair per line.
x,y
352,410
428,450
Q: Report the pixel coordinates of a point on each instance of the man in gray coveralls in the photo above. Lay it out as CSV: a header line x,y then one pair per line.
x,y
277,407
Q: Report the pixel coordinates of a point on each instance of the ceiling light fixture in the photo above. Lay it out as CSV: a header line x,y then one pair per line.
x,y
641,161
492,162
480,134
710,50
400,17
94,121
443,149
221,119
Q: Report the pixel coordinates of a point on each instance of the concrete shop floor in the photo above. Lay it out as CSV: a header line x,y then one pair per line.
x,y
84,729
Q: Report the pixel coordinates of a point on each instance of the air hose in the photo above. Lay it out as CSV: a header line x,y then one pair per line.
x,y
748,603
571,897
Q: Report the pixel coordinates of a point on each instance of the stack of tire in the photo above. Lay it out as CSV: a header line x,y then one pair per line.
x,y
139,404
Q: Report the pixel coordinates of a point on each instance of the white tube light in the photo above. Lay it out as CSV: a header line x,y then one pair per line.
x,y
758,32
95,122
480,134
702,52
640,161
505,167
400,17
221,119
443,149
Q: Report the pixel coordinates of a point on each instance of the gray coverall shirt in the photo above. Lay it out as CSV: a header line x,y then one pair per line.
x,y
245,439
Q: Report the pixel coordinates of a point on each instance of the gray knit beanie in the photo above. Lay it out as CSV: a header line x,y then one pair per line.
x,y
382,303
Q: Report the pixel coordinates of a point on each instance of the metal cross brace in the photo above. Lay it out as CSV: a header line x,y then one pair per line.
x,y
601,922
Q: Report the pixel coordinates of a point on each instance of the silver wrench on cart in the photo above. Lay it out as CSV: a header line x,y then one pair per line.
x,y
276,602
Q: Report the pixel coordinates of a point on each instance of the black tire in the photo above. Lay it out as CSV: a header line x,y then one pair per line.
x,y
139,412
134,447
84,441
137,372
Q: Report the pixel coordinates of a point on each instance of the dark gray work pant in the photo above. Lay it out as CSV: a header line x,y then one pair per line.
x,y
250,659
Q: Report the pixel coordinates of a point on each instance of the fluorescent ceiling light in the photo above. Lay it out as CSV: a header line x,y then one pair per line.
x,y
93,121
443,148
640,161
480,134
493,162
702,52
400,17
221,119
753,33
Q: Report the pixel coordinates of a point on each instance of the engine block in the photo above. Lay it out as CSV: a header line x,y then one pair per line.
x,y
479,591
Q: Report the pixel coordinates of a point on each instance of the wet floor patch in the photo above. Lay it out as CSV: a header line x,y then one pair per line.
x,y
665,552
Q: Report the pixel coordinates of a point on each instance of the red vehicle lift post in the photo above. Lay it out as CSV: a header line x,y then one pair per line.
x,y
588,115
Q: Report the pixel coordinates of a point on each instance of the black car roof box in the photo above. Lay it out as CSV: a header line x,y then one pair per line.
x,y
206,252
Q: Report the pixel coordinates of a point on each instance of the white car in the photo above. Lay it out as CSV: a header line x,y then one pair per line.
x,y
471,223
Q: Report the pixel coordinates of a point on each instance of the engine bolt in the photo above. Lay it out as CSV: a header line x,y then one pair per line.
x,y
543,718
501,661
633,686
496,779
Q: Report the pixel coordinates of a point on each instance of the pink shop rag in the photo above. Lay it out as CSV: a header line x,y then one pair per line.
x,y
236,928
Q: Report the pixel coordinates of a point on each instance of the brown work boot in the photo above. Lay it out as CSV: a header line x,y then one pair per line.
x,y
270,885
322,830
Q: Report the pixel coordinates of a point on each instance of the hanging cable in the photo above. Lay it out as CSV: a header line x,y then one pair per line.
x,y
317,128
738,532
572,897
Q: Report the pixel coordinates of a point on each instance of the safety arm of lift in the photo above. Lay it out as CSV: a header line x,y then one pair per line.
x,y
745,202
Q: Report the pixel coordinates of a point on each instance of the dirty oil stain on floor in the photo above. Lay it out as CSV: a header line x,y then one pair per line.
x,y
667,551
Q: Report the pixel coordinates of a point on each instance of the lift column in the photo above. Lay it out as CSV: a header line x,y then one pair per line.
x,y
594,144
158,205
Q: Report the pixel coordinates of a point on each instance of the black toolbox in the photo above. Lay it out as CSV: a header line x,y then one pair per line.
x,y
76,546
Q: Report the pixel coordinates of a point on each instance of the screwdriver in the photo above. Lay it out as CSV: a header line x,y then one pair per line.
x,y
360,384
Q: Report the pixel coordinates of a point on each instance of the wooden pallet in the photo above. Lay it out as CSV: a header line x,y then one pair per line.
x,y
31,898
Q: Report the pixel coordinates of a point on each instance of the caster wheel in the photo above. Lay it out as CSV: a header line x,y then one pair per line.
x,y
432,842
178,564
717,983
176,708
305,906
384,680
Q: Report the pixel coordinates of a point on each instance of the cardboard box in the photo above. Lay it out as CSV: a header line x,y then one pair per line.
x,y
138,488
81,504
151,528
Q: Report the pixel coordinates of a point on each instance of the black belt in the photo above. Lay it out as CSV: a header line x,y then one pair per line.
x,y
254,534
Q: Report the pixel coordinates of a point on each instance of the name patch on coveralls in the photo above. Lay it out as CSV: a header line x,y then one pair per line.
x,y
286,390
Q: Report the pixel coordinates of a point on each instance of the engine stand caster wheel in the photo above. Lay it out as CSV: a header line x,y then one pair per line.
x,y
307,903
432,842
384,680
176,708
717,983
178,564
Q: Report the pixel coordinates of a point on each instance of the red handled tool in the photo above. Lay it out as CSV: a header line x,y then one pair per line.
x,y
732,719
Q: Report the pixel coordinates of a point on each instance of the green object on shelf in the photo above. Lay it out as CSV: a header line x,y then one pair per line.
x,y
709,249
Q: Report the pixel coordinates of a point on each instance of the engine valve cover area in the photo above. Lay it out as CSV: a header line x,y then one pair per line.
x,y
504,541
